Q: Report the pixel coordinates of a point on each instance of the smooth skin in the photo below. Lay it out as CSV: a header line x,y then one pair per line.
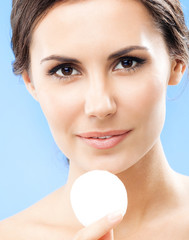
x,y
103,93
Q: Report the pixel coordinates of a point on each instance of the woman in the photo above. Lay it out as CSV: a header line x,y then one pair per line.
x,y
100,71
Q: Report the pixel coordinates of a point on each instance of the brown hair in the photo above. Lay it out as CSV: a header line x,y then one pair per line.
x,y
167,14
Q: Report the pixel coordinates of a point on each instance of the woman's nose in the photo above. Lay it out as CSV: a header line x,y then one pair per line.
x,y
99,103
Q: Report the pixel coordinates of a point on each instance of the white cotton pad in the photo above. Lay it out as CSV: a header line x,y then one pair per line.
x,y
96,194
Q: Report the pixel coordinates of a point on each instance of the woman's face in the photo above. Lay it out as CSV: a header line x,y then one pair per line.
x,y
100,68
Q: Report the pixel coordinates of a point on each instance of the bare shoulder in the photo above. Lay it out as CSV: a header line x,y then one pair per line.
x,y
31,223
184,180
44,220
183,214
20,225
10,228
24,228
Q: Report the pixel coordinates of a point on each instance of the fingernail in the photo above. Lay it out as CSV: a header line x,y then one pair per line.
x,y
115,216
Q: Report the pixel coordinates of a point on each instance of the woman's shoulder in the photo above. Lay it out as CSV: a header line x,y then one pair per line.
x,y
181,216
31,223
184,184
14,226
27,225
39,221
23,223
25,228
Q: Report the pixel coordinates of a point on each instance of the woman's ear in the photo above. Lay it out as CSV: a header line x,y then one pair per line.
x,y
29,85
177,70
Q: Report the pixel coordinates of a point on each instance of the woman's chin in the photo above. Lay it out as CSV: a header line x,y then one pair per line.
x,y
111,164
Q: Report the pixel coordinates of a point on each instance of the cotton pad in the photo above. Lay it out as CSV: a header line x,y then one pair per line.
x,y
96,194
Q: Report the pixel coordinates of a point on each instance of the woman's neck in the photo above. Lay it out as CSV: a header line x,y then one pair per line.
x,y
152,189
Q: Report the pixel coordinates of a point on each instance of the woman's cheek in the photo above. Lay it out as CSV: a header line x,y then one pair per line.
x,y
152,94
61,106
151,106
143,104
142,94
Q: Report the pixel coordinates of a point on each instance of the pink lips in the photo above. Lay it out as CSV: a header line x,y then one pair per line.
x,y
113,138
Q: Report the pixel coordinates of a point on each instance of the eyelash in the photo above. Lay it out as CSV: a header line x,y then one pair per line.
x,y
138,63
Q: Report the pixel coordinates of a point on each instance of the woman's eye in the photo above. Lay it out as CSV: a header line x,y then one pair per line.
x,y
66,71
129,64
62,71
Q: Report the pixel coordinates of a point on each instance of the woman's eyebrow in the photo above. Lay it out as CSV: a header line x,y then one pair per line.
x,y
125,50
112,56
60,59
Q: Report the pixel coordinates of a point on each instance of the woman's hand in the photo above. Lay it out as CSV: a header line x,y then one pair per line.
x,y
100,230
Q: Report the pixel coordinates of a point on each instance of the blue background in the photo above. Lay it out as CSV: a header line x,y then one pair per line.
x,y
31,166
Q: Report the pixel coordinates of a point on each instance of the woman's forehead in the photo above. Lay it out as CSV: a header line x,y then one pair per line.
x,y
94,23
85,15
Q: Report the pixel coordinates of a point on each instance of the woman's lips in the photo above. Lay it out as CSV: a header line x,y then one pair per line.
x,y
104,140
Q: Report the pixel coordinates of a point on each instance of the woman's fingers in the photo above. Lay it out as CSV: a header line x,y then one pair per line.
x,y
108,236
100,230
